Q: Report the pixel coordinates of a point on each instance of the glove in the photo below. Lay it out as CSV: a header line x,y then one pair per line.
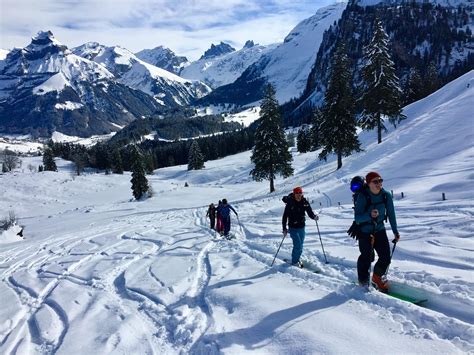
x,y
316,217
285,232
397,238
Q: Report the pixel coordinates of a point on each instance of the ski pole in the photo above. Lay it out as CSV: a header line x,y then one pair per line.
x,y
372,242
391,255
284,236
322,246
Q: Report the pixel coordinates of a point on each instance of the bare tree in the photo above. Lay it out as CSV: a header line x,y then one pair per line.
x,y
9,160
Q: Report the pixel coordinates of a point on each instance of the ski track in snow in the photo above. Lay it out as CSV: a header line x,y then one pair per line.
x,y
185,320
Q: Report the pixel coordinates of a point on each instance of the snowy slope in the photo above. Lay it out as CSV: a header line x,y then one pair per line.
x,y
100,273
224,69
291,63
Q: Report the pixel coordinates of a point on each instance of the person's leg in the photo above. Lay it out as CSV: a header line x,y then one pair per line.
x,y
382,247
297,235
364,260
213,222
226,226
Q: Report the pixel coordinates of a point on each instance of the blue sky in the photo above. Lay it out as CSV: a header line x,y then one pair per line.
x,y
188,27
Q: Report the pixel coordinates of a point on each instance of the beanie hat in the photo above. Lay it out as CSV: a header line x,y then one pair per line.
x,y
370,176
298,190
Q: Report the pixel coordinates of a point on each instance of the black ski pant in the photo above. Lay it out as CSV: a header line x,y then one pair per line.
x,y
381,246
213,222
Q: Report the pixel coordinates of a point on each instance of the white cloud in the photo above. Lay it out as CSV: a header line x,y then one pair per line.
x,y
188,27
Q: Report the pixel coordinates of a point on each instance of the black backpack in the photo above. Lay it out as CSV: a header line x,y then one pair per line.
x,y
358,186
287,198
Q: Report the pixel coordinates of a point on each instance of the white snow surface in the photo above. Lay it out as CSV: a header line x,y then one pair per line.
x,y
3,53
55,83
68,105
101,273
64,138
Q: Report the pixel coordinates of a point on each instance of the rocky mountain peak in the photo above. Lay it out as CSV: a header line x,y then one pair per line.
x,y
249,44
215,51
43,44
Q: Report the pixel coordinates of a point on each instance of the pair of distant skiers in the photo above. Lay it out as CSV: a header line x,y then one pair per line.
x,y
372,206
222,214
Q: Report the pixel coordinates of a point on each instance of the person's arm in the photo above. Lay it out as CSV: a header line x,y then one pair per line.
x,y
391,216
284,219
232,208
310,212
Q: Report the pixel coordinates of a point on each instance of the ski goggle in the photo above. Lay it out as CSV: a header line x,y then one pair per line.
x,y
356,186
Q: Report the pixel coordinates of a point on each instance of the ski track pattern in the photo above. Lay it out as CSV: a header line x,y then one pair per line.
x,y
181,326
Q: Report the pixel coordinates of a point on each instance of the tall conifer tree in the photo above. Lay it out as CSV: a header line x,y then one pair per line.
x,y
270,153
139,180
195,157
382,94
48,160
338,125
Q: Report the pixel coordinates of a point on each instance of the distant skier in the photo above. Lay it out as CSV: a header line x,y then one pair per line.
x,y
372,206
294,214
219,225
211,213
224,211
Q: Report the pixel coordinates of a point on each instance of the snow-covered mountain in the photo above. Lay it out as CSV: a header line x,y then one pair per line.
x,y
167,88
420,34
287,66
45,87
3,53
164,58
97,273
218,70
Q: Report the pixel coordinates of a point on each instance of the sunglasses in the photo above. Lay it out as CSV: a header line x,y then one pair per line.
x,y
298,193
377,182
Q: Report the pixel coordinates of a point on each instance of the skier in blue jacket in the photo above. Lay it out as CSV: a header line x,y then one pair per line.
x,y
371,207
224,211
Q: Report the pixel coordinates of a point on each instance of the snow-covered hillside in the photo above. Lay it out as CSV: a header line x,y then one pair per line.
x,y
100,273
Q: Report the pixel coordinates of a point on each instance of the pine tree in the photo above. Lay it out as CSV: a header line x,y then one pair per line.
x,y
432,81
303,140
117,165
415,86
195,157
270,153
315,132
139,180
382,95
48,160
338,126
